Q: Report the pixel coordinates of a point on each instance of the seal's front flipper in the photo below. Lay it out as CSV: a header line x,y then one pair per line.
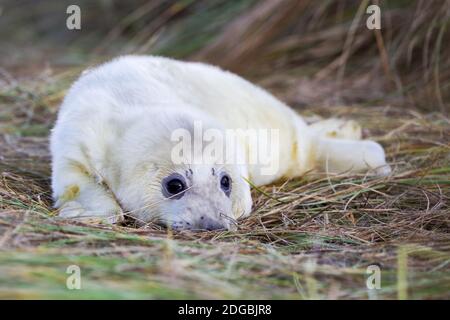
x,y
345,155
79,195
75,210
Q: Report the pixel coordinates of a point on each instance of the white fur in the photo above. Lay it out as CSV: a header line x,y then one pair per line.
x,y
111,143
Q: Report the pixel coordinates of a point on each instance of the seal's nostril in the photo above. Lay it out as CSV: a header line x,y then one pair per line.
x,y
210,224
212,227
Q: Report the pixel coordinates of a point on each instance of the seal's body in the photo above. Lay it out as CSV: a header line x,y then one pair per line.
x,y
112,146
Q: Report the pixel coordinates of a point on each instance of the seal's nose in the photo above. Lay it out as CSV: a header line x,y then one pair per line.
x,y
206,223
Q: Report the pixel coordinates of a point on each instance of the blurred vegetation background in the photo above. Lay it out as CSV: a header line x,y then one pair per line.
x,y
310,52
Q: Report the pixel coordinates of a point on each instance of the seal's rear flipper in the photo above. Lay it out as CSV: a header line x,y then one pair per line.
x,y
345,155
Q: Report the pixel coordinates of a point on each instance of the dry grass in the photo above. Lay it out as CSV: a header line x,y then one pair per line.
x,y
307,238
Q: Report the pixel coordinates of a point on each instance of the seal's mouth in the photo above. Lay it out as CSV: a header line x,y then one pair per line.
x,y
204,223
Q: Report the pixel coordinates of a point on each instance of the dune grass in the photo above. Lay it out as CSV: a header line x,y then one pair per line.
x,y
308,238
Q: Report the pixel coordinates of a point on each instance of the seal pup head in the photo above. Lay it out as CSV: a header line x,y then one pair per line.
x,y
192,194
199,197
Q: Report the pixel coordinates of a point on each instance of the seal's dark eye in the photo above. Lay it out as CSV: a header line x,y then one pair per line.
x,y
173,186
225,184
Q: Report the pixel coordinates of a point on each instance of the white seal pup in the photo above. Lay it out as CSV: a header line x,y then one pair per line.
x,y
118,133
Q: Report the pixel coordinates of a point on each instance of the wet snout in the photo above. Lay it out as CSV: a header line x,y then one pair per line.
x,y
207,223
